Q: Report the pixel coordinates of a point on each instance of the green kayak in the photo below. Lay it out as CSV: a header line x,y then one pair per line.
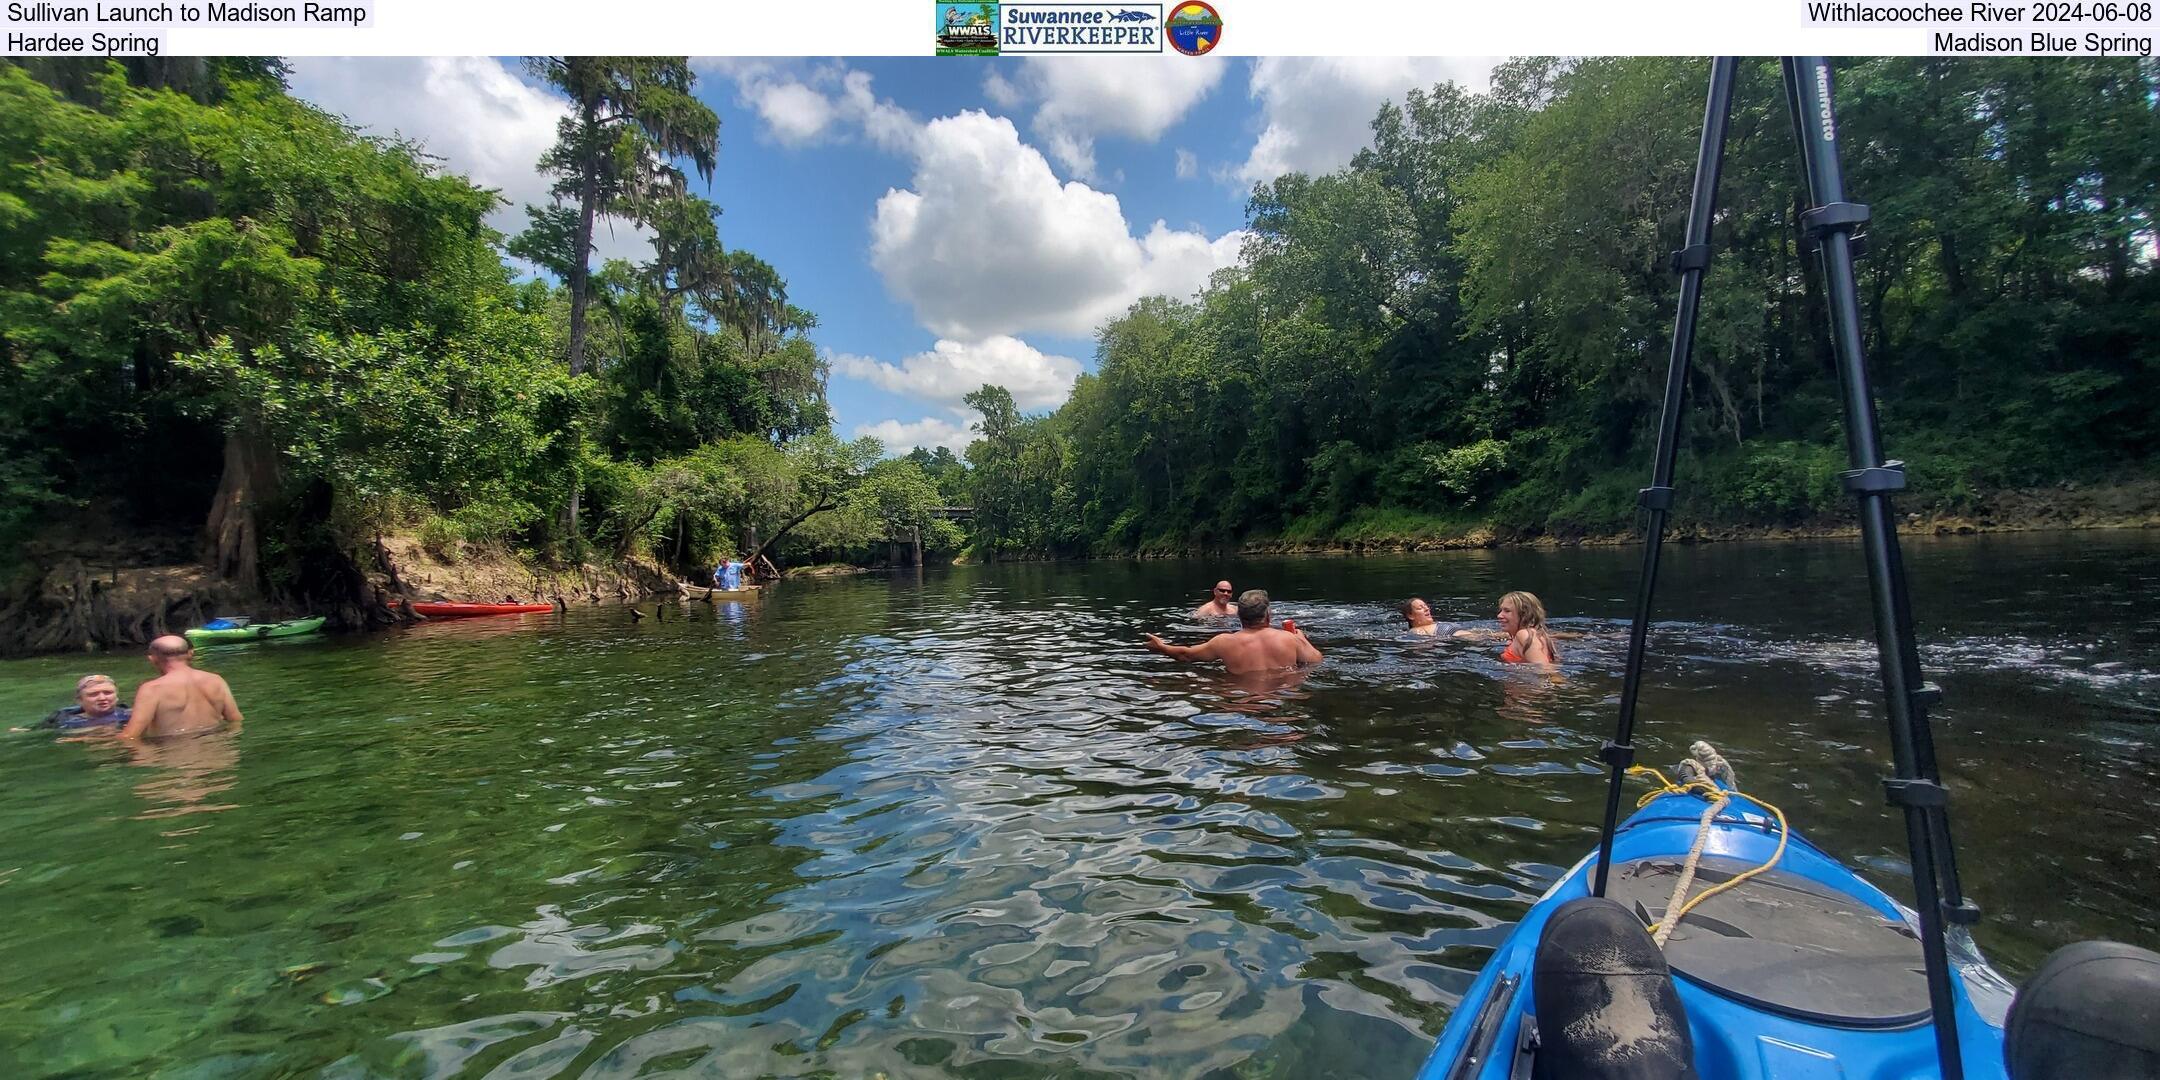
x,y
256,632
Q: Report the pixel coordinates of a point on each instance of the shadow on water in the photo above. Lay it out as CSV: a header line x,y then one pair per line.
x,y
964,825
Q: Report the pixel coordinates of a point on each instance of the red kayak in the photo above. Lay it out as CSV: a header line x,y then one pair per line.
x,y
462,611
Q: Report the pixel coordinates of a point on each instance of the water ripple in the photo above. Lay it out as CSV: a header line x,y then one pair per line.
x,y
968,827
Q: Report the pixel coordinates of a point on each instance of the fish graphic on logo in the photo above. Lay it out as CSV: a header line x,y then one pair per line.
x,y
1195,28
1129,15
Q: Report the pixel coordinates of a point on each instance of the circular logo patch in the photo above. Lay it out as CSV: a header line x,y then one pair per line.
x,y
1195,29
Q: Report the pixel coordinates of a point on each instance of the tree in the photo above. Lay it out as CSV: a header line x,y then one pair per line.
x,y
946,470
994,467
630,118
153,226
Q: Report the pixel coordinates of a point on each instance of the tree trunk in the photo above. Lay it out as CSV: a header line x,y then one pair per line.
x,y
234,536
1953,267
580,266
819,508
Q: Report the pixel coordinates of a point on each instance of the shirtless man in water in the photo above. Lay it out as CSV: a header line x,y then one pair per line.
x,y
1218,605
1255,646
181,700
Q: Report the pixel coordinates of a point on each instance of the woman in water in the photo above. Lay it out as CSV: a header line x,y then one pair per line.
x,y
97,705
1522,623
1418,614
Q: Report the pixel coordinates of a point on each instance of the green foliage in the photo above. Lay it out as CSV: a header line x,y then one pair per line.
x,y
1464,327
946,471
396,417
631,119
1771,482
1470,323
139,226
175,267
1428,474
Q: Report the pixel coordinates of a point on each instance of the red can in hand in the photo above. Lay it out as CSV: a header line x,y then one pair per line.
x,y
1290,625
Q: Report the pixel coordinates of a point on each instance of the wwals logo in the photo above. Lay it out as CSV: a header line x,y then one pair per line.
x,y
967,29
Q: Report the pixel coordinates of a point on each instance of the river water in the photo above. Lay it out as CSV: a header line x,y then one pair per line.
x,y
960,824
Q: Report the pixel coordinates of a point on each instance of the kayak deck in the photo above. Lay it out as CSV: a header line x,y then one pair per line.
x,y
1806,970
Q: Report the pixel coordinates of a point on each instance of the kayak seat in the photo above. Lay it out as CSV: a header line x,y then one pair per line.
x,y
1783,943
1606,1005
2091,1012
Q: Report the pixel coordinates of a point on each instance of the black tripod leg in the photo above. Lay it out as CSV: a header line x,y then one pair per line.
x,y
1690,262
1830,220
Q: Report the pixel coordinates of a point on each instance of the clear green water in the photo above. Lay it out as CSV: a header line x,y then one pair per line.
x,y
965,826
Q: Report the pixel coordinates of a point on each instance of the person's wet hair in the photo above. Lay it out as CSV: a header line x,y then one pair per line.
x,y
1252,607
1529,612
88,681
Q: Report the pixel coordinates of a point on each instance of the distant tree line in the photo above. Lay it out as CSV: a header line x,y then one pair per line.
x,y
1468,325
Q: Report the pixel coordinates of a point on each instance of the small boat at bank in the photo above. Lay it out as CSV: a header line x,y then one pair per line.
x,y
708,592
450,610
240,629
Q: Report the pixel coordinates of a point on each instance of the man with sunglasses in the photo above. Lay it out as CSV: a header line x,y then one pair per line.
x,y
1219,605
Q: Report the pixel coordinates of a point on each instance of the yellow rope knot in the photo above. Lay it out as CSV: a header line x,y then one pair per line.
x,y
1717,797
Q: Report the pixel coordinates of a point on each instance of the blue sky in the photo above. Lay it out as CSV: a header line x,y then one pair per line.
x,y
951,220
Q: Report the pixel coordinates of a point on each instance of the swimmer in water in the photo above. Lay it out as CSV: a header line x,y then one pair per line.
x,y
1254,646
1218,606
1418,614
1522,619
181,700
97,706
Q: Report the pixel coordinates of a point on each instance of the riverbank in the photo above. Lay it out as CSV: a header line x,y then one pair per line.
x,y
87,598
2132,504
113,595
406,567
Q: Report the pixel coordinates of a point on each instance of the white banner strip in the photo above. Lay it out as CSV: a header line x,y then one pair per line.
x,y
1240,28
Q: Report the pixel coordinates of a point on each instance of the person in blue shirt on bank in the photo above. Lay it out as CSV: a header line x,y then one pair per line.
x,y
727,577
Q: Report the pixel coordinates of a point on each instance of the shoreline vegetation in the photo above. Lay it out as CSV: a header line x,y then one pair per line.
x,y
2128,505
124,606
254,361
133,603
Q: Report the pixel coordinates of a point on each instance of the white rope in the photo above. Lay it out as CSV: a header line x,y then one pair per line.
x,y
1714,765
1687,874
1702,763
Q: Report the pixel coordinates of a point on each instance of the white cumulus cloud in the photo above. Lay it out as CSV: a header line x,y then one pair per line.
x,y
987,241
470,111
1079,99
951,370
1318,110
805,104
901,436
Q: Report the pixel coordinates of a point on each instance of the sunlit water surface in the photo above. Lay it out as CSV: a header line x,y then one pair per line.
x,y
962,825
